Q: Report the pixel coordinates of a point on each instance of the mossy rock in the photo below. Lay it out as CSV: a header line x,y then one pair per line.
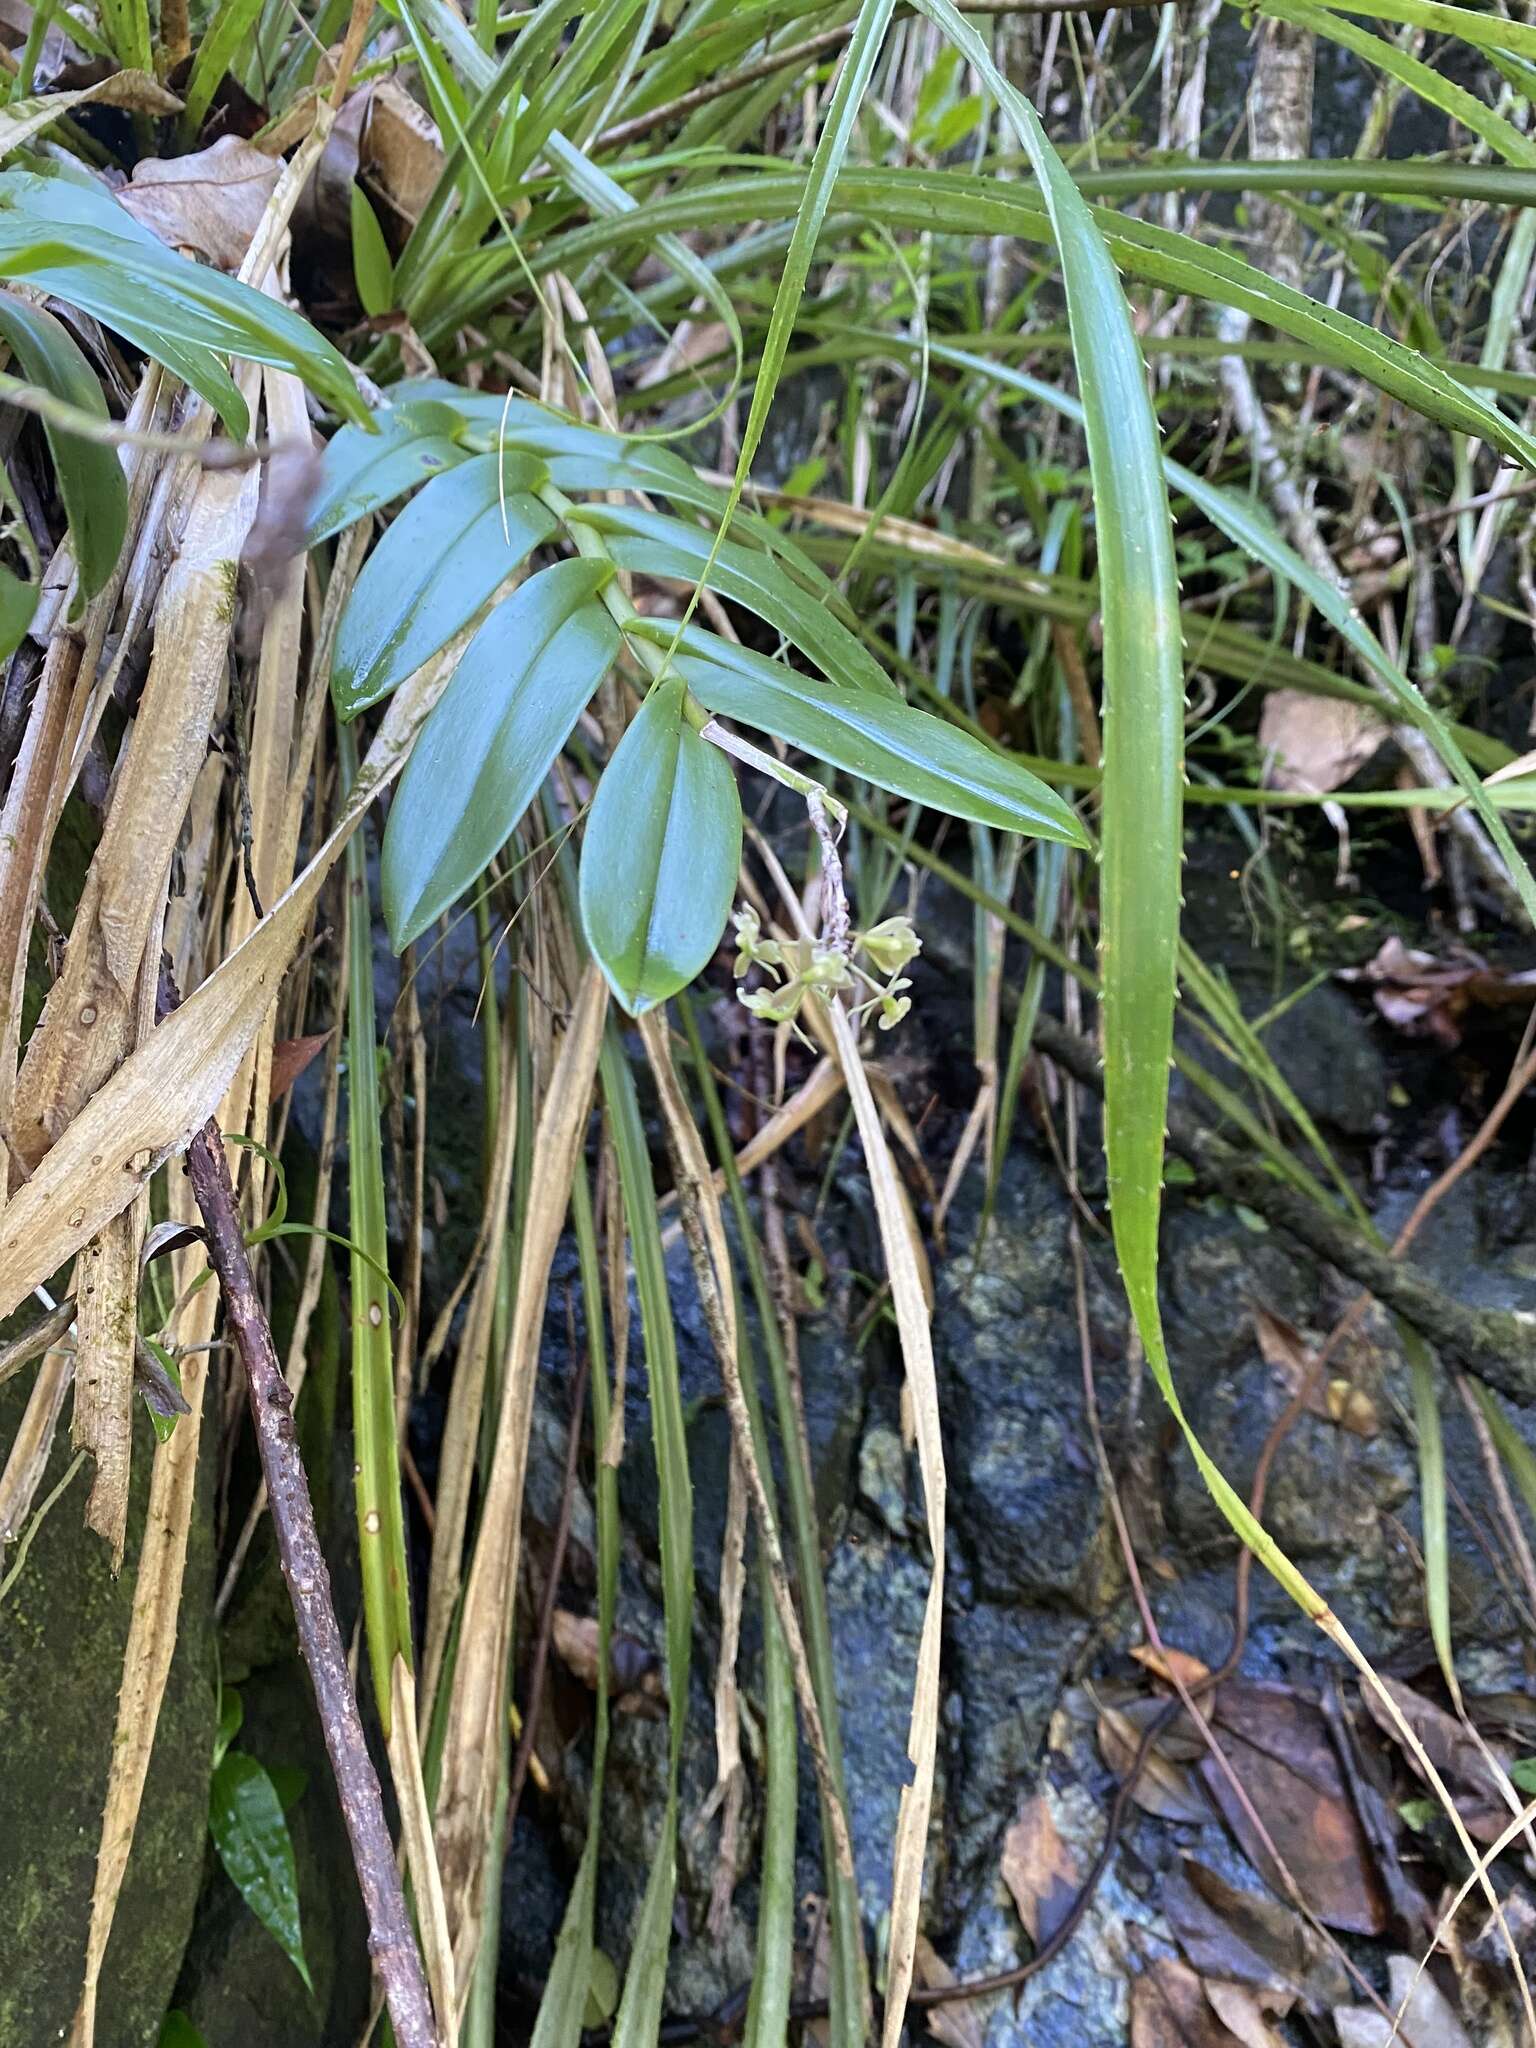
x,y
63,1629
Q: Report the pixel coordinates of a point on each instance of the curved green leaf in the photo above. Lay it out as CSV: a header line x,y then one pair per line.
x,y
953,202
660,856
652,544
362,471
517,692
91,480
1143,672
179,312
245,1818
444,557
18,601
880,739
372,270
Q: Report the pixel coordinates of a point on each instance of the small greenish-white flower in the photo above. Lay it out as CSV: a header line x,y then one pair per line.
x,y
773,1005
752,949
891,944
893,1005
820,967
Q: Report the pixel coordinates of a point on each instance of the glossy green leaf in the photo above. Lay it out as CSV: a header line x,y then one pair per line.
x,y
1143,771
245,1818
583,458
653,544
444,557
953,202
519,688
91,480
660,855
372,269
880,739
18,602
179,312
363,471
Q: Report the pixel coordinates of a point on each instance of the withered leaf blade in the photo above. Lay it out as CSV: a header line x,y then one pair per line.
x,y
1039,1870
1428,2019
1169,2009
1248,1939
1280,1752
1453,1751
208,205
1164,1787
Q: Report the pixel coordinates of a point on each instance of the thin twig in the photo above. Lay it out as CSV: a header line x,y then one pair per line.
x,y
390,1940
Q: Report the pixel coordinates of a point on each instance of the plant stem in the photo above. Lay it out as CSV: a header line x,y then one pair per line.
x,y
390,1939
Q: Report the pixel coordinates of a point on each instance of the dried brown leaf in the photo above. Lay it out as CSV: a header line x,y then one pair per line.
x,y
1039,1870
1455,1753
1427,2019
1247,1938
1169,2009
1163,1787
1168,1664
961,2022
207,205
1316,744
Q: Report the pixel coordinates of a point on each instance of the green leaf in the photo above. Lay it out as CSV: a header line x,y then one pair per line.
x,y
177,2031
179,312
371,265
660,856
444,557
362,471
91,480
18,602
217,47
246,1821
517,692
881,739
652,544
23,119
231,1715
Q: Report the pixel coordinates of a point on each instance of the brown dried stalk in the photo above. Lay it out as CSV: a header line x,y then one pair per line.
x,y
390,1939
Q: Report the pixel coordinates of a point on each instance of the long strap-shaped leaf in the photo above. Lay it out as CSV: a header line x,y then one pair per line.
x,y
831,148
1143,701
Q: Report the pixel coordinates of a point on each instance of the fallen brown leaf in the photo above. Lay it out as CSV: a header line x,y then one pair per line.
x,y
1453,1751
1169,1664
1280,1752
1243,2012
1316,744
1336,1400
210,204
959,2025
1164,1786
1169,2009
1425,996
1428,2020
1039,1870
1245,1938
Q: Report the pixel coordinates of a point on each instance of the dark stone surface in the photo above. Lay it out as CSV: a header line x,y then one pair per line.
x,y
63,1630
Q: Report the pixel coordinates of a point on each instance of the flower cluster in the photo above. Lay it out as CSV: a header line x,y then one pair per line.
x,y
797,967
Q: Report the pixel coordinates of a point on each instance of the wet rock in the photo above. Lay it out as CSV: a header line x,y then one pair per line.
x,y
883,1477
876,1593
63,1629
1026,1496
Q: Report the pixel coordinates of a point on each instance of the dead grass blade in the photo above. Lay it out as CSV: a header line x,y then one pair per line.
x,y
107,1290
420,1855
475,1733
176,1080
704,1223
897,1238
